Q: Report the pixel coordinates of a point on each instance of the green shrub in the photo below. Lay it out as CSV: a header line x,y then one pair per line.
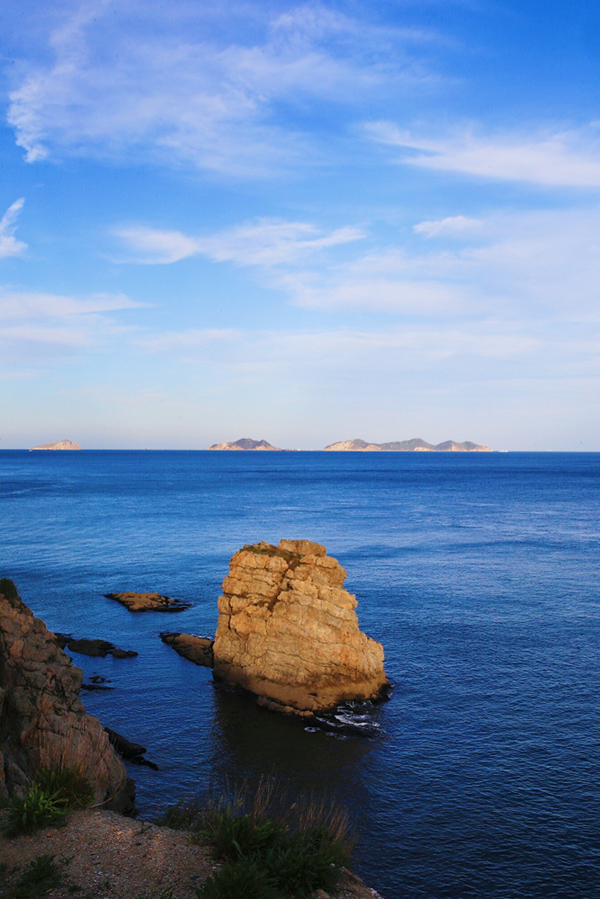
x,y
301,864
39,877
234,836
68,784
36,808
242,879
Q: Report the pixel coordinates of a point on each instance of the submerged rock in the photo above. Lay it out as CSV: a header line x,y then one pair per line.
x,y
197,649
43,723
149,602
288,631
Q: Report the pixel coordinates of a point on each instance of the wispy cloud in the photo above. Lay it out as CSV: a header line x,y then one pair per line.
x,y
178,91
540,264
9,245
266,242
29,319
458,226
554,159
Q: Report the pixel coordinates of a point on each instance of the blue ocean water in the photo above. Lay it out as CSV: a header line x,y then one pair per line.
x,y
478,573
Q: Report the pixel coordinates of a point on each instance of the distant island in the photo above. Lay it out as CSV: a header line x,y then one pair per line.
x,y
61,445
246,444
416,445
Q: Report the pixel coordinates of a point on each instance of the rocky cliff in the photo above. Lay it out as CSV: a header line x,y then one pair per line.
x,y
288,630
43,723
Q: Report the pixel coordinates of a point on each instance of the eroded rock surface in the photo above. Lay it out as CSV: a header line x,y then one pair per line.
x,y
149,602
197,649
289,633
43,723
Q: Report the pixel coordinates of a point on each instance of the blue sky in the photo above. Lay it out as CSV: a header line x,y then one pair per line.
x,y
304,222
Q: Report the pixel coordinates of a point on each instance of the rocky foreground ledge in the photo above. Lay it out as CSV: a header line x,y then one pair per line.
x,y
102,855
288,631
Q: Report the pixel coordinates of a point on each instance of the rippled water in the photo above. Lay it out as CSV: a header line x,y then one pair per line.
x,y
478,573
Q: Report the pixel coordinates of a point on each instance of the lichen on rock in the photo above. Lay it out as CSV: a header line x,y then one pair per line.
x,y
43,723
288,631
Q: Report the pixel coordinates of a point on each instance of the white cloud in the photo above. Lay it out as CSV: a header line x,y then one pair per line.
x,y
266,242
368,294
9,245
554,159
30,319
269,352
453,226
169,85
35,305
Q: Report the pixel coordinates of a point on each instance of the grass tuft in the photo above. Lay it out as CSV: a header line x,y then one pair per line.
x,y
46,801
34,809
39,877
269,844
239,880
70,786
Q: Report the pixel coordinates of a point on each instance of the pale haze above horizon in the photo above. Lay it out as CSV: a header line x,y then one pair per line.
x,y
300,222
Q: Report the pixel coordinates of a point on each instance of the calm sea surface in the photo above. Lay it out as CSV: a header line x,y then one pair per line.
x,y
478,573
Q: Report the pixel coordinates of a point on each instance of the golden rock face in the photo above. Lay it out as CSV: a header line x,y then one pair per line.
x,y
289,633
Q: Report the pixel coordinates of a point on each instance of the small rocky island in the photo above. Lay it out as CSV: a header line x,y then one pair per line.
x,y
416,445
61,445
288,631
148,602
246,443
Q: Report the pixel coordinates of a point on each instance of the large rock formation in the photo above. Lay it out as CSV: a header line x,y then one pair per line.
x,y
288,631
43,723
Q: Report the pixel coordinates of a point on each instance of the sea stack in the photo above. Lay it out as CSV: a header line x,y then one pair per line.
x,y
43,723
288,631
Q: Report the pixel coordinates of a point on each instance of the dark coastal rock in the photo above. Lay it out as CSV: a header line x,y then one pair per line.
x,y
97,682
288,631
97,649
149,602
127,749
43,723
197,649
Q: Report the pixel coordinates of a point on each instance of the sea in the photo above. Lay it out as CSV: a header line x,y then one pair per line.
x,y
479,574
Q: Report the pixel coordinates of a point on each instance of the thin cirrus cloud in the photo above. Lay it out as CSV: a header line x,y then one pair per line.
x,y
119,79
264,353
517,263
554,159
33,322
542,264
266,242
9,245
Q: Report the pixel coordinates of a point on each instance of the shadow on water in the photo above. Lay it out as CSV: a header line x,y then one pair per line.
x,y
250,742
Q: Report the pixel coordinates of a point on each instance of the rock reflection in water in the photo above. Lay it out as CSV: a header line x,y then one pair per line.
x,y
251,742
